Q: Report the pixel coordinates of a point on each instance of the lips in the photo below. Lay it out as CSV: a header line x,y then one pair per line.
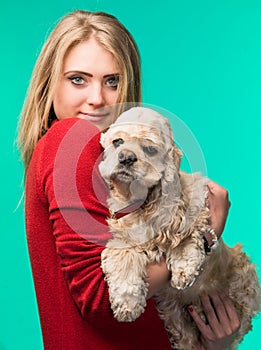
x,y
95,116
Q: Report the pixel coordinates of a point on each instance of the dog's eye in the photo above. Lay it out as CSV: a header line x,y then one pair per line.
x,y
150,150
117,142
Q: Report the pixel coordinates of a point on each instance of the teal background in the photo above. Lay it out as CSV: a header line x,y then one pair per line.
x,y
201,60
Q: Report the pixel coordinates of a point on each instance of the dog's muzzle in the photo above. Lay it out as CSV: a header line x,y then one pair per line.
x,y
127,158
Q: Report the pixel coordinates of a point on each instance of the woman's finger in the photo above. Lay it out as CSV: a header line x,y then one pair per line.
x,y
211,315
203,328
231,312
219,303
223,322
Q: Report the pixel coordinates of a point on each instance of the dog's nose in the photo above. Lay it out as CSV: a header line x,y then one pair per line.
x,y
126,157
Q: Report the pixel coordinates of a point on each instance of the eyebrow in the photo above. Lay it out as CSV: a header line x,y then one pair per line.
x,y
89,74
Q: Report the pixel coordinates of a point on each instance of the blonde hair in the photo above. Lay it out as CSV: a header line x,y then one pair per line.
x,y
72,29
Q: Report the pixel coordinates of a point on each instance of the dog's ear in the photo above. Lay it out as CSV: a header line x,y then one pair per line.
x,y
173,160
178,154
103,139
170,183
174,154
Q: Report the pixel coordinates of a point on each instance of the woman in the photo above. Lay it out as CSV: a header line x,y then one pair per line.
x,y
89,63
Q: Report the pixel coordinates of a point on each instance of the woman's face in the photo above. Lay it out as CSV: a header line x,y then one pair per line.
x,y
88,84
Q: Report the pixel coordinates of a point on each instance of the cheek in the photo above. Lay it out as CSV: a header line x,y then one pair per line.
x,y
155,164
108,165
160,164
112,97
60,106
65,102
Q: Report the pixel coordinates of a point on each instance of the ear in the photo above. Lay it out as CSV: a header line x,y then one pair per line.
x,y
170,183
103,139
173,160
178,154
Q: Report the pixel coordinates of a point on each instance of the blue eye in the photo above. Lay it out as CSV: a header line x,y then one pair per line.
x,y
77,80
112,81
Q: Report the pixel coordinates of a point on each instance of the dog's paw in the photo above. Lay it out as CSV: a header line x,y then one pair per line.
x,y
128,303
181,281
128,311
184,277
186,263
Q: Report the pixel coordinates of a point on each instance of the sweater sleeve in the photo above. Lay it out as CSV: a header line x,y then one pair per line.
x,y
69,185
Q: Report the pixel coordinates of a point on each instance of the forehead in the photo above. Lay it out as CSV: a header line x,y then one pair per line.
x,y
140,123
128,131
90,56
143,123
157,134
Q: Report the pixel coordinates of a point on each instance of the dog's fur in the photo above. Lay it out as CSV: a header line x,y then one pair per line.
x,y
141,165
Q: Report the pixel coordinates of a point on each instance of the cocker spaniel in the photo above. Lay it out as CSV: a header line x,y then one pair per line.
x,y
160,211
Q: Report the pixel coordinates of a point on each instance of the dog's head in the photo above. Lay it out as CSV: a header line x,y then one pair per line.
x,y
139,154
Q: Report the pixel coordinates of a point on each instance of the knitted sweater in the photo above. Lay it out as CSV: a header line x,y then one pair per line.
x,y
66,232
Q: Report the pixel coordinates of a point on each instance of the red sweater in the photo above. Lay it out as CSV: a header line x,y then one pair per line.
x,y
66,232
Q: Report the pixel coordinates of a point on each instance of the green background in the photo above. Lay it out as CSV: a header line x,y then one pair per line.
x,y
201,60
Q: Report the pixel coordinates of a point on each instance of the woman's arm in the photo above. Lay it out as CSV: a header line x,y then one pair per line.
x,y
60,181
157,277
219,205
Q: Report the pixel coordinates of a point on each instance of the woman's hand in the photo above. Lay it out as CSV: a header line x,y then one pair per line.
x,y
158,276
222,322
219,206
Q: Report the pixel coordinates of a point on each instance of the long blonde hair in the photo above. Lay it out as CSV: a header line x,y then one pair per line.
x,y
71,30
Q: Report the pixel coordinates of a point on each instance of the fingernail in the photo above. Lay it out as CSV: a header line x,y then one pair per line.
x,y
190,308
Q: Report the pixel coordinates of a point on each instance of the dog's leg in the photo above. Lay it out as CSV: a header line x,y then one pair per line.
x,y
125,271
172,309
185,261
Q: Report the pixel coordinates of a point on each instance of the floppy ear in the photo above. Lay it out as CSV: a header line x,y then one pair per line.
x,y
170,183
174,154
178,154
104,139
173,160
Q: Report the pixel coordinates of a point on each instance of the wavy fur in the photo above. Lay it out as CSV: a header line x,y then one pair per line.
x,y
170,223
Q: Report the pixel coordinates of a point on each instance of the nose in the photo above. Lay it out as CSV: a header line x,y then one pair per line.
x,y
95,95
127,158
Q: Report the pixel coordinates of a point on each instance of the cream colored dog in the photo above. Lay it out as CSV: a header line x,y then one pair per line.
x,y
165,216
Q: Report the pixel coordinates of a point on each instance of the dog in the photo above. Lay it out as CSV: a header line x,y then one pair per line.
x,y
159,211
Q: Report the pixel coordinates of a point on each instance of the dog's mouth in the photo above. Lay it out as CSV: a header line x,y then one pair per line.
x,y
121,182
122,176
128,186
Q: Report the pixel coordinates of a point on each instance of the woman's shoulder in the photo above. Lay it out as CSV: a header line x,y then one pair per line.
x,y
67,138
69,131
74,127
